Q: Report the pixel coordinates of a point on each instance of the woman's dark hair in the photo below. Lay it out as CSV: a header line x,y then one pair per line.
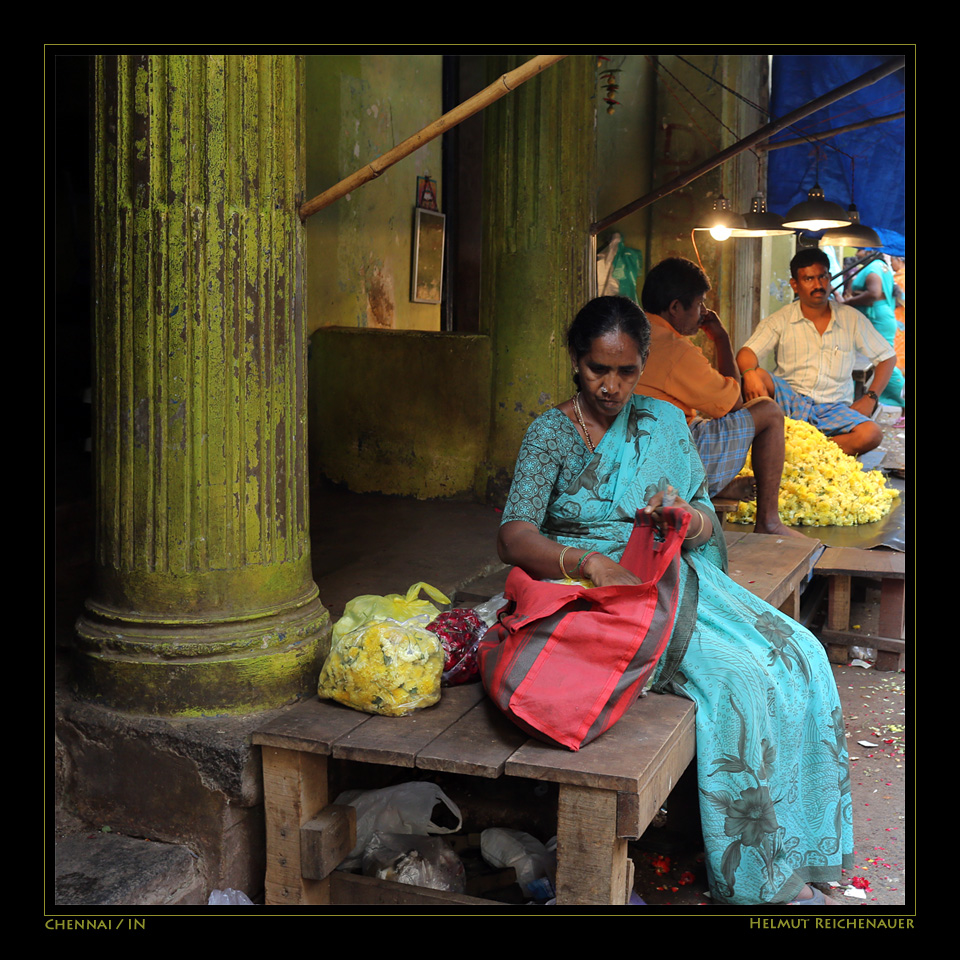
x,y
675,278
604,315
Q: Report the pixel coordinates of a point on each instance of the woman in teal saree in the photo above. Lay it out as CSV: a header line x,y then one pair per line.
x,y
771,753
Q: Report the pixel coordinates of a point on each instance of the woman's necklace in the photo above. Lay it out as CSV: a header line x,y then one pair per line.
x,y
583,426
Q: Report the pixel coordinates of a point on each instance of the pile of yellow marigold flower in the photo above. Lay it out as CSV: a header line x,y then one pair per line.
x,y
822,486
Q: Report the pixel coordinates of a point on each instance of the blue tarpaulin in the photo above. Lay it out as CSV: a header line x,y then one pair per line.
x,y
877,181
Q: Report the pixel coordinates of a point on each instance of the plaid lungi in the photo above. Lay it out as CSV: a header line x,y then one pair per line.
x,y
723,445
829,418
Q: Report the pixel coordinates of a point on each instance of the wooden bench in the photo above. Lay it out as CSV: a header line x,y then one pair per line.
x,y
841,564
608,792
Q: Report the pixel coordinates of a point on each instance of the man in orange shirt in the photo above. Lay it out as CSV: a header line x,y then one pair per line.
x,y
722,426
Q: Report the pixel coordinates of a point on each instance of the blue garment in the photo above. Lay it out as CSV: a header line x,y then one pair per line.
x,y
882,314
774,784
723,445
830,419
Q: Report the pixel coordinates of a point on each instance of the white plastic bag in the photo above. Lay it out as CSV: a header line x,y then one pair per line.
x,y
526,854
229,898
404,808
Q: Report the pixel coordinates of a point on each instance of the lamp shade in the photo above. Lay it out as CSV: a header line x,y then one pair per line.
x,y
856,234
760,223
722,221
816,213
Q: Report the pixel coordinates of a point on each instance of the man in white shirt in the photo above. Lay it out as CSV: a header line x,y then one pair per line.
x,y
816,341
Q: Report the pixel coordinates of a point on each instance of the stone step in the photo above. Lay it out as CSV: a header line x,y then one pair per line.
x,y
114,870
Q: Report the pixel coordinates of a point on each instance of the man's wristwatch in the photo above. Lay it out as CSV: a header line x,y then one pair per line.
x,y
874,397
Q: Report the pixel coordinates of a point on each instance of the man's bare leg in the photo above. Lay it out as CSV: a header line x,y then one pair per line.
x,y
767,457
861,439
740,488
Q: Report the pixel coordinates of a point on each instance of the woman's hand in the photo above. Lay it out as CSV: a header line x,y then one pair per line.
x,y
701,527
604,572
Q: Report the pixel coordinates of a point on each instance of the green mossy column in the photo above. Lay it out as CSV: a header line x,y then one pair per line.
x,y
205,602
539,189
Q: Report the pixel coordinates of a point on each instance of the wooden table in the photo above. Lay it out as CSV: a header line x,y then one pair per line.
x,y
841,564
608,792
771,567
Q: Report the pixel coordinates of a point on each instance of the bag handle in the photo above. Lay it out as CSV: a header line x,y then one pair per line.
x,y
636,556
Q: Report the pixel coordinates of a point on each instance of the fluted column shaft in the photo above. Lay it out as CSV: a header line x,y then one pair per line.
x,y
539,197
205,599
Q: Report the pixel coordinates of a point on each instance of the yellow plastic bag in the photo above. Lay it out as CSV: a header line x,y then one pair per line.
x,y
382,659
393,606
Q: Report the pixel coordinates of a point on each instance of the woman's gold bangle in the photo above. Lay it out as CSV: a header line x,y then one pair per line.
x,y
563,572
694,537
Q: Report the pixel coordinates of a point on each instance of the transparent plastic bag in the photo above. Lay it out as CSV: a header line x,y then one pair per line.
x,y
406,808
420,861
460,632
384,667
229,898
490,609
531,860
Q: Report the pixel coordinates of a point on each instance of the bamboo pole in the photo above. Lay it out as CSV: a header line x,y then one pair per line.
x,y
836,131
499,88
872,76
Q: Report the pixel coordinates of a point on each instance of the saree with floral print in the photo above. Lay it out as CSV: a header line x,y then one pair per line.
x,y
773,775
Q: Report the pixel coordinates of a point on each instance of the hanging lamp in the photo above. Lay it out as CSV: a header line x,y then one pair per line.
x,y
856,234
722,220
758,222
816,213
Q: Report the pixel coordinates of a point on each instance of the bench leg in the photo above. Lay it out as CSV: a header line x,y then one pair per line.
x,y
838,603
294,792
592,862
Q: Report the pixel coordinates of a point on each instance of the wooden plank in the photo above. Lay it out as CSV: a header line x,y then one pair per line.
x,y
891,652
349,889
654,731
864,563
770,567
294,790
478,744
591,859
311,726
396,741
326,841
851,639
791,605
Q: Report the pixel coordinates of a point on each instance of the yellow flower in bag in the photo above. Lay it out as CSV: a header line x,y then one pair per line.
x,y
382,659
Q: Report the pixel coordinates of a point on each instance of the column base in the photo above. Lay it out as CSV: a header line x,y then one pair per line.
x,y
201,669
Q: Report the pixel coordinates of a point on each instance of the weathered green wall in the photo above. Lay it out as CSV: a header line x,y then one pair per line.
x,y
625,151
359,250
539,192
400,412
671,118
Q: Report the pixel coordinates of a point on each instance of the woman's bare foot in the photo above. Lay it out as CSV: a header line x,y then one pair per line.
x,y
740,488
811,897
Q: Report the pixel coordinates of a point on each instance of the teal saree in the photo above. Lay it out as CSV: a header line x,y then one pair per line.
x,y
774,786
